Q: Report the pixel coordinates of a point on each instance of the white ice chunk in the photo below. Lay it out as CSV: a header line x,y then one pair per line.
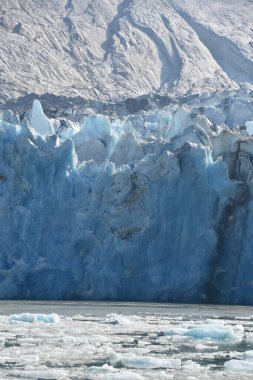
x,y
243,362
115,319
180,121
215,331
203,347
31,318
39,121
249,338
247,355
49,374
175,331
239,365
98,340
145,362
93,140
127,150
104,369
121,375
249,126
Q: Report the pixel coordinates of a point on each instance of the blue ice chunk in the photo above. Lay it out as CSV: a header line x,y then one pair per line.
x,y
32,318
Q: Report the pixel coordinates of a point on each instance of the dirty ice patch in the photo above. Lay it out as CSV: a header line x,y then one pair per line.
x,y
32,318
210,330
142,362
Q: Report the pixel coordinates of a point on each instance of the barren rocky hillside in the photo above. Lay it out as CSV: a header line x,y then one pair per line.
x,y
113,49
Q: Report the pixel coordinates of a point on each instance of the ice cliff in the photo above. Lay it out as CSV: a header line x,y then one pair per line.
x,y
157,206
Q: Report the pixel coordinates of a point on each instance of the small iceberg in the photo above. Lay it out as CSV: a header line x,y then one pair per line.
x,y
32,318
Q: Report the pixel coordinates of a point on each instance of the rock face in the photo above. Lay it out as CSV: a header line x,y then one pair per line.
x,y
96,49
157,206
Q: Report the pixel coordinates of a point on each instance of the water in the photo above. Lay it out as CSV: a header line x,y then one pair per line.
x,y
116,340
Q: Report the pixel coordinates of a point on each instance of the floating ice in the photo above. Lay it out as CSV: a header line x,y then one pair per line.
x,y
89,348
201,347
43,373
242,362
134,361
32,318
249,338
239,365
214,331
120,375
98,340
108,372
115,319
104,369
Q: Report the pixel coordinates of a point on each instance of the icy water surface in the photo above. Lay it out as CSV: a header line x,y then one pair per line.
x,y
101,340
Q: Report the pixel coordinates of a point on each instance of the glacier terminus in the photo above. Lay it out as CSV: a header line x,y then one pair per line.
x,y
154,206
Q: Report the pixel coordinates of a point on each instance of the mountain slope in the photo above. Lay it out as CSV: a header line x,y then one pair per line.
x,y
112,49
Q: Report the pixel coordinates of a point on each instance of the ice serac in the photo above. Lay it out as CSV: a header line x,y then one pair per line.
x,y
39,121
151,207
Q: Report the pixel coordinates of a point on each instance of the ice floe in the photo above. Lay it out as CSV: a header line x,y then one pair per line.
x,y
33,318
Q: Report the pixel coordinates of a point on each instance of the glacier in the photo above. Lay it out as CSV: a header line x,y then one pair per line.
x,y
156,206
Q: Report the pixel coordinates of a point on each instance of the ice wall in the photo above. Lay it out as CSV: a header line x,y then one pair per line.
x,y
157,206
